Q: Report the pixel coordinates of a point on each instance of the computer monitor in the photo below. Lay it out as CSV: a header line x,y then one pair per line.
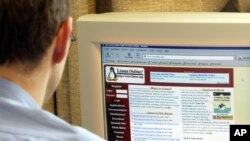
x,y
164,76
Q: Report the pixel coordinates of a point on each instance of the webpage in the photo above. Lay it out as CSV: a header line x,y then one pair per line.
x,y
154,93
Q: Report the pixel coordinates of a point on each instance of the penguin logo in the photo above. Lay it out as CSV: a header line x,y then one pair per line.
x,y
112,75
222,106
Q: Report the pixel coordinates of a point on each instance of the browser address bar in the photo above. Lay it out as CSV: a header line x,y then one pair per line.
x,y
186,57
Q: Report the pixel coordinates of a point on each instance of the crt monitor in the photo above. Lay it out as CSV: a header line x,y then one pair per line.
x,y
164,76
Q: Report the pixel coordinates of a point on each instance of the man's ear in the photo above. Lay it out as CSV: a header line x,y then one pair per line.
x,y
62,41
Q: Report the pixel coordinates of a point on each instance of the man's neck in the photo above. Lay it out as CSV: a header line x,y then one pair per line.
x,y
34,82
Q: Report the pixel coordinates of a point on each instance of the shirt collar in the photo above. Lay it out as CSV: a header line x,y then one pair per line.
x,y
11,91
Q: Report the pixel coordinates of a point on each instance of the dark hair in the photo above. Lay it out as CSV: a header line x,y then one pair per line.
x,y
27,28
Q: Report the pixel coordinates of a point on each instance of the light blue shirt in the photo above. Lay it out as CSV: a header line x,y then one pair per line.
x,y
22,120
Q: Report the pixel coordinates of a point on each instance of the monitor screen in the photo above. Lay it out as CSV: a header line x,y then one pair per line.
x,y
174,93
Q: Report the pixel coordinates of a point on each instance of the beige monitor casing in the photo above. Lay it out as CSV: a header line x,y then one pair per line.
x,y
179,29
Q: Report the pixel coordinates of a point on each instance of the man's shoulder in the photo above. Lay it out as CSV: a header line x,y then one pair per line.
x,y
13,137
34,123
89,136
82,136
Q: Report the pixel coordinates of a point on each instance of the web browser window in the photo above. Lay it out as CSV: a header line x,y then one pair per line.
x,y
174,93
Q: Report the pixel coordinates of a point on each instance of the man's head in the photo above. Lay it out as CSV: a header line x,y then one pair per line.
x,y
33,29
28,27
